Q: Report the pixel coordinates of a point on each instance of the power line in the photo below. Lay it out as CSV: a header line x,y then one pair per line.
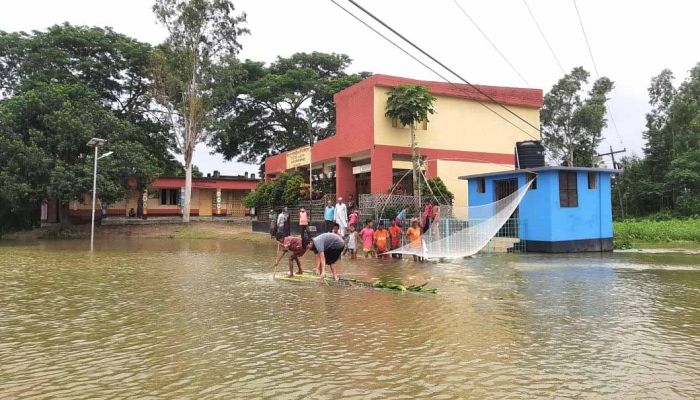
x,y
428,67
444,66
608,109
466,14
551,50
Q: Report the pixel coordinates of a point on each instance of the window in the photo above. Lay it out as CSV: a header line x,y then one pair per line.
x,y
421,126
568,189
169,196
480,185
532,178
592,180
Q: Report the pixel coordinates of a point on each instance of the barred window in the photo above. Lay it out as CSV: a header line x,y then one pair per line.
x,y
568,189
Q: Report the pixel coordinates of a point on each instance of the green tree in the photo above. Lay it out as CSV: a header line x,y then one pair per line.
x,y
409,105
202,33
666,179
439,192
74,75
43,147
572,126
281,106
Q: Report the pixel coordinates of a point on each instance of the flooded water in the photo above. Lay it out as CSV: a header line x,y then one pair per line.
x,y
204,319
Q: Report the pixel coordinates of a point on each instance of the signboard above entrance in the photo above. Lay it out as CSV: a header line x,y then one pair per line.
x,y
298,157
361,169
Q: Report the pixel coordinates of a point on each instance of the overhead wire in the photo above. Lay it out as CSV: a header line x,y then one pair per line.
x,y
608,109
438,62
546,41
436,72
500,53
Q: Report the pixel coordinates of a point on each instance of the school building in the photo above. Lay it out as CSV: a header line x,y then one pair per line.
x,y
214,196
369,152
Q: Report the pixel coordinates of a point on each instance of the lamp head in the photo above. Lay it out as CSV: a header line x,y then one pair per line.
x,y
96,142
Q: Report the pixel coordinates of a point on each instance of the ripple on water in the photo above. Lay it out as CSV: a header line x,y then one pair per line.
x,y
204,319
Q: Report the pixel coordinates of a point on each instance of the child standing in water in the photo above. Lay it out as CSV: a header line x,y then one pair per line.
x,y
381,241
367,235
413,235
395,235
351,243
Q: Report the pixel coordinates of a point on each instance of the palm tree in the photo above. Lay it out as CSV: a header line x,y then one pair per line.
x,y
409,105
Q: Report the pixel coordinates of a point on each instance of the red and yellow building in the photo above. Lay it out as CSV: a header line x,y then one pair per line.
x,y
211,196
370,152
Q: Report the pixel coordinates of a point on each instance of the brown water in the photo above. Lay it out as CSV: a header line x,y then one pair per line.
x,y
203,319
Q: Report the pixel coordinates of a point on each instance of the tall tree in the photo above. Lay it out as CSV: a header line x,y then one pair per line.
x,y
281,106
667,178
572,126
201,34
409,105
44,154
59,88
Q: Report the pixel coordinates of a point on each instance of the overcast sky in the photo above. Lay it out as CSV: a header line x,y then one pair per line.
x,y
631,42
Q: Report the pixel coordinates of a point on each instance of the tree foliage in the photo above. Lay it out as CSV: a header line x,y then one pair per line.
x,y
43,146
571,127
668,177
409,105
437,190
281,106
288,189
60,88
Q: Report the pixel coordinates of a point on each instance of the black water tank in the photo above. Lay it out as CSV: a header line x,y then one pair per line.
x,y
529,154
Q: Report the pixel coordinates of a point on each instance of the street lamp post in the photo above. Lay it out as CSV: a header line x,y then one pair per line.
x,y
96,143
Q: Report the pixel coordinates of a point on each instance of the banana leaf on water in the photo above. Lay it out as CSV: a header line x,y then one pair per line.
x,y
375,284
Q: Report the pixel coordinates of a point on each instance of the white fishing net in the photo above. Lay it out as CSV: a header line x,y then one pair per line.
x,y
463,231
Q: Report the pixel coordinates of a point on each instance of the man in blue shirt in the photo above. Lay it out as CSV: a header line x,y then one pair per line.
x,y
329,215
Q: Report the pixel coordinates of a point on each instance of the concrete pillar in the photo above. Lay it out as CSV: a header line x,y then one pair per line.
x,y
344,179
145,202
382,172
218,201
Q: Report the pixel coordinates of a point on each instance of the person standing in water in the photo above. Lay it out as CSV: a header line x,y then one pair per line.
x,y
327,247
341,215
395,234
413,235
367,236
381,241
351,242
329,215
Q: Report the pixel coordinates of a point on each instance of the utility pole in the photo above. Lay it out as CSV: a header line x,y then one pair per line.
x,y
616,166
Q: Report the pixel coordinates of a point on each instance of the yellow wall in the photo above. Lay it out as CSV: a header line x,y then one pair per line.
x,y
458,124
450,171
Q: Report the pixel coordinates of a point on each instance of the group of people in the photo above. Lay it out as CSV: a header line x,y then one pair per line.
x,y
344,236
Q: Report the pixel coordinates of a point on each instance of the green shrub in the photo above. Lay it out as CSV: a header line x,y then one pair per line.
x,y
293,187
657,231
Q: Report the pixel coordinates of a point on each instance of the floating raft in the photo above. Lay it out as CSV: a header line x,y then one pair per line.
x,y
376,284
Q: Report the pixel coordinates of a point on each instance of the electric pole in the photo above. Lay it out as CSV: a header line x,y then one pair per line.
x,y
616,166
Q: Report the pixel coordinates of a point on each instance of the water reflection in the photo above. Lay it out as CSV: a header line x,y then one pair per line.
x,y
202,318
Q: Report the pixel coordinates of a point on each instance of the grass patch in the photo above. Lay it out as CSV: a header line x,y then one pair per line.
x,y
633,232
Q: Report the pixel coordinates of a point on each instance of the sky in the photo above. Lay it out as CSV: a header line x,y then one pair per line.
x,y
631,41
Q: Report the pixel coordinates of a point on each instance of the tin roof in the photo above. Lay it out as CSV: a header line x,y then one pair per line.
x,y
541,169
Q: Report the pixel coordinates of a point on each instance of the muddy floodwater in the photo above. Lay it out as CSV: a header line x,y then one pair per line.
x,y
159,318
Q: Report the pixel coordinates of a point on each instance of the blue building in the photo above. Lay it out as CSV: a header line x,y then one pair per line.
x,y
567,209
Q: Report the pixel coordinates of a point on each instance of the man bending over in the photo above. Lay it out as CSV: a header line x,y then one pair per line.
x,y
327,247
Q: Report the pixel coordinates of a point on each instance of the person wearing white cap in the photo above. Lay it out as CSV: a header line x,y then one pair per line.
x,y
341,215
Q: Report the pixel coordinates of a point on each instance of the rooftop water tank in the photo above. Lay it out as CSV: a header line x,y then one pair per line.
x,y
529,154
